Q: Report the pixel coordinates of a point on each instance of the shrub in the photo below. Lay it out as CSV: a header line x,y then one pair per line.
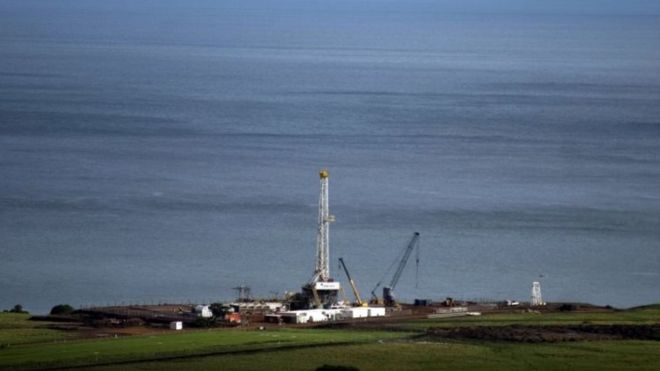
x,y
17,309
203,322
61,309
567,307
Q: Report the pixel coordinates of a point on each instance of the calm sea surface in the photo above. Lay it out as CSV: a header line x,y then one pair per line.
x,y
170,152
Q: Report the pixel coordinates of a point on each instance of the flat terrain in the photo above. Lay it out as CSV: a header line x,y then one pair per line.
x,y
407,355
16,329
175,345
408,344
637,316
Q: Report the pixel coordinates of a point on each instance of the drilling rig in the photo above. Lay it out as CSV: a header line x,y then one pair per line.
x,y
322,290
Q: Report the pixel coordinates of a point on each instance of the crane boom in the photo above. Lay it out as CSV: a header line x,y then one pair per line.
x,y
404,260
388,291
388,294
358,300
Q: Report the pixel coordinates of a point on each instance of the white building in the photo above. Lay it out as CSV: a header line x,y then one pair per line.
x,y
362,312
323,315
311,315
268,306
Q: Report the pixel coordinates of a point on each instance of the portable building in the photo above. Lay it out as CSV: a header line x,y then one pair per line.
x,y
376,312
357,312
176,325
311,315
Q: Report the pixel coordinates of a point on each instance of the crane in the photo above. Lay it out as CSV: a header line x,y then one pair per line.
x,y
388,291
358,300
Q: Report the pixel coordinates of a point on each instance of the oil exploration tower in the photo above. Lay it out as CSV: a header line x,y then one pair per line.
x,y
537,299
322,290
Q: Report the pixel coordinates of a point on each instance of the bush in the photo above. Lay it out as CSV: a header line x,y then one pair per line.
x,y
61,309
18,309
567,307
203,322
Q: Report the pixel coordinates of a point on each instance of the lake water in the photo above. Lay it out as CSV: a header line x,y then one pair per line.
x,y
171,152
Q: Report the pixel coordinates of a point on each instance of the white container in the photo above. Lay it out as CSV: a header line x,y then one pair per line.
x,y
376,311
176,325
312,315
357,312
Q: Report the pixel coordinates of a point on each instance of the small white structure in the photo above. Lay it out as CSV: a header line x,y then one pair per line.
x,y
323,315
452,310
359,312
537,299
176,325
362,312
311,315
377,312
203,311
268,306
327,286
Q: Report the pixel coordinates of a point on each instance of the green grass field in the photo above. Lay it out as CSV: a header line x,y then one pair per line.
x,y
16,329
32,346
84,352
401,355
638,316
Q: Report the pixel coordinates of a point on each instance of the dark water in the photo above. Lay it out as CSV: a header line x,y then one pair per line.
x,y
168,152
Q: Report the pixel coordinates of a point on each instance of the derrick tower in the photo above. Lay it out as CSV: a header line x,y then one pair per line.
x,y
322,270
537,299
321,291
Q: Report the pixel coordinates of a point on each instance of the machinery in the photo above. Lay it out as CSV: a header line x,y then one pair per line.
x,y
322,291
388,291
243,293
358,300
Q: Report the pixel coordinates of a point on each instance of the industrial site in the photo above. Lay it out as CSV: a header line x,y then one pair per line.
x,y
322,299
325,326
